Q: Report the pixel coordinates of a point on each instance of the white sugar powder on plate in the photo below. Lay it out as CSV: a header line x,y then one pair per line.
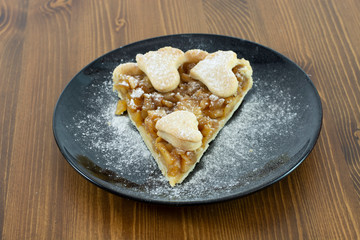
x,y
240,151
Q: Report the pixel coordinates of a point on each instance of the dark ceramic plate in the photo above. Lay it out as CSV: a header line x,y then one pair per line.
x,y
271,133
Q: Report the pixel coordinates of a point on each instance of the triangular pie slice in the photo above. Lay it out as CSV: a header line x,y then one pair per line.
x,y
180,101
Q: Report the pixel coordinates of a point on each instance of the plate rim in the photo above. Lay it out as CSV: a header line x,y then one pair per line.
x,y
98,181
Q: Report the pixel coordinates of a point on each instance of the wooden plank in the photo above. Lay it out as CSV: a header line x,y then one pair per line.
x,y
45,43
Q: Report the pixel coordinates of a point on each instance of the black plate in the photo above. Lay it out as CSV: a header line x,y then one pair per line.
x,y
269,135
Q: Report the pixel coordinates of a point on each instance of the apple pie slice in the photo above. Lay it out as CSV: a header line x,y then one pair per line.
x,y
179,102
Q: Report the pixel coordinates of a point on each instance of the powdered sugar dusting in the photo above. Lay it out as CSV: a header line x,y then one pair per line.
x,y
244,150
137,93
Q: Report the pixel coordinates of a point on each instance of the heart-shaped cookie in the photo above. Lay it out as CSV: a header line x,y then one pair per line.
x,y
215,71
161,67
180,128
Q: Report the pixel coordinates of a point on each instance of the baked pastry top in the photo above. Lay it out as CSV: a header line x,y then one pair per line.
x,y
180,101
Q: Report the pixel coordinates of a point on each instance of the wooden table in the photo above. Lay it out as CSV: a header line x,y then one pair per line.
x,y
45,43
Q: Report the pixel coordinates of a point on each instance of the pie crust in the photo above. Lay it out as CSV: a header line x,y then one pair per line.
x,y
183,102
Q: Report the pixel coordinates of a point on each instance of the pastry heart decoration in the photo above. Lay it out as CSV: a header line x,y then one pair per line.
x,y
215,71
162,67
180,128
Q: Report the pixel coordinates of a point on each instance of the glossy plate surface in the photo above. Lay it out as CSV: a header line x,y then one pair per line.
x,y
271,133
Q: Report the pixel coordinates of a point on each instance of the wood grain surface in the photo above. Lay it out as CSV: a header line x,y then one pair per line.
x,y
44,43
